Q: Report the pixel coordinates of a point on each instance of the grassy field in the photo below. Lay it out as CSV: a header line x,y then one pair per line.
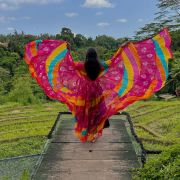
x,y
24,129
156,123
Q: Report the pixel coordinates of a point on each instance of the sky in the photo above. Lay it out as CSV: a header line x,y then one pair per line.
x,y
116,18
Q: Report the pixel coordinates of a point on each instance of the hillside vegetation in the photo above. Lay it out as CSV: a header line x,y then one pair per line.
x,y
157,125
24,130
16,85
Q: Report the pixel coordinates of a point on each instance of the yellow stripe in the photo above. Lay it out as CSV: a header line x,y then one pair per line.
x,y
65,89
130,71
54,54
78,101
162,44
33,50
135,54
117,52
95,101
131,99
161,70
108,62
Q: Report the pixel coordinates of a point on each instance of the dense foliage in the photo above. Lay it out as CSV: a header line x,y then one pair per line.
x,y
167,15
14,72
157,125
164,166
24,129
15,82
21,126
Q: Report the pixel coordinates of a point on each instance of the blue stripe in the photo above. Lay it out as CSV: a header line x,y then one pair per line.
x,y
74,119
124,83
161,57
38,42
105,66
58,58
84,132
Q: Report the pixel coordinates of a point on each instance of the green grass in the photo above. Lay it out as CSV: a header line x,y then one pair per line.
x,y
156,120
157,125
24,129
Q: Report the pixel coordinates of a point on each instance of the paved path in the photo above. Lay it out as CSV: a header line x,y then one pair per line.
x,y
111,157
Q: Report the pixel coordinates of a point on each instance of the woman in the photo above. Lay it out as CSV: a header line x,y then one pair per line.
x,y
93,69
92,92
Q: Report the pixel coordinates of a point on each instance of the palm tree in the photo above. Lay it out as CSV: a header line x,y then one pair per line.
x,y
175,74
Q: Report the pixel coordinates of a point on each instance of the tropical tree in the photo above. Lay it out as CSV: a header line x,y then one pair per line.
x,y
5,81
174,76
10,62
107,42
67,35
80,40
168,15
22,91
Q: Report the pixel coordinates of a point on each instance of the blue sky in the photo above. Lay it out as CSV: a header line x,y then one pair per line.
x,y
117,18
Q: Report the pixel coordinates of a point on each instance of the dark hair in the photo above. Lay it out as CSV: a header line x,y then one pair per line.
x,y
92,65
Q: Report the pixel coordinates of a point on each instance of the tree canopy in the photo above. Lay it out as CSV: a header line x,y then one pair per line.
x,y
168,15
13,69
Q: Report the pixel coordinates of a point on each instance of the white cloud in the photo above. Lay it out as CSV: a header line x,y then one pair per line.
x,y
26,18
71,14
4,19
74,33
99,13
122,20
97,4
10,29
103,24
4,6
7,19
15,4
140,20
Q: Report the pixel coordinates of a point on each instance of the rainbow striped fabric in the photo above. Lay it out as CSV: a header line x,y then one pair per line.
x,y
135,72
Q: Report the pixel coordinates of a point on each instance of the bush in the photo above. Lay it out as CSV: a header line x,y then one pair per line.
x,y
3,99
22,91
165,166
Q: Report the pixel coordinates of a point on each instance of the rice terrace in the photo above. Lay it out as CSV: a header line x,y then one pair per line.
x,y
24,131
89,90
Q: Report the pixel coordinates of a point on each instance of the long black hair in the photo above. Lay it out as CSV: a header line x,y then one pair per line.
x,y
92,65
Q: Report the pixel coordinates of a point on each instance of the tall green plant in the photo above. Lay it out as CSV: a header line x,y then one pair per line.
x,y
22,91
164,167
175,72
167,15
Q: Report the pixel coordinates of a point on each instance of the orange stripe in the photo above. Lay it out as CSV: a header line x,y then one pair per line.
x,y
55,74
117,87
32,71
33,49
161,69
131,99
117,52
135,54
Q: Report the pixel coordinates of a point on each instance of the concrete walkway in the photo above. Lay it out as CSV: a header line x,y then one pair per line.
x,y
111,157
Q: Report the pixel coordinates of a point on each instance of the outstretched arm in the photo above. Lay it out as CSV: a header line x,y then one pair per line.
x,y
137,70
125,43
68,46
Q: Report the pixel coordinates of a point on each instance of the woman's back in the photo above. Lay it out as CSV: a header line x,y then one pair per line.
x,y
92,65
